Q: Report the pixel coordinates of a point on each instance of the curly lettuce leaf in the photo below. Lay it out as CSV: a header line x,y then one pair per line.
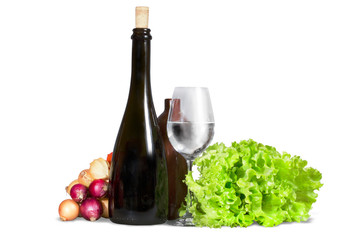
x,y
249,182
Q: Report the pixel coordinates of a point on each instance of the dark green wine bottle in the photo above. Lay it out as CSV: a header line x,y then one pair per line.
x,y
138,191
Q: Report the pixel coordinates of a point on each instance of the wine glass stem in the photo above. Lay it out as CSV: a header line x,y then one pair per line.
x,y
189,162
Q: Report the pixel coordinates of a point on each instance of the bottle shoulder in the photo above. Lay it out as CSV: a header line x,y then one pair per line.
x,y
139,123
140,119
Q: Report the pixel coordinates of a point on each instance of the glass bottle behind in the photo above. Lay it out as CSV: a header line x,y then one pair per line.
x,y
176,166
138,192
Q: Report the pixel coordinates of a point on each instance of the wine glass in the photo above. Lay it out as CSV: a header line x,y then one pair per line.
x,y
190,128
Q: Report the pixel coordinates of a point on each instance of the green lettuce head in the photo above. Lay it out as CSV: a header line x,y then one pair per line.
x,y
249,182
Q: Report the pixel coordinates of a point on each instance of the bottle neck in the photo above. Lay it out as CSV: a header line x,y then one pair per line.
x,y
167,105
140,69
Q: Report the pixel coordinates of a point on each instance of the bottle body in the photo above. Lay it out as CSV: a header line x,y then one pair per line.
x,y
138,191
176,166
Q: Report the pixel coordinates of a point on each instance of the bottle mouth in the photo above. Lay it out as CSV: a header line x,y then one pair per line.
x,y
141,34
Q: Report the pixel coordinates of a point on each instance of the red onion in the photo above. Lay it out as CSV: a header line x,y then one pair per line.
x,y
91,209
98,188
78,192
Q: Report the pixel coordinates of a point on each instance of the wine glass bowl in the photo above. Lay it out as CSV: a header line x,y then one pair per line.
x,y
190,129
190,139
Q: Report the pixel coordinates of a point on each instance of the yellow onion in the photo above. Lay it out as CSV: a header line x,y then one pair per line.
x,y
105,206
68,210
99,169
85,178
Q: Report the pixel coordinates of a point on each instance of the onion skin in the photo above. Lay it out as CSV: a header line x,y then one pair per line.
x,y
68,210
98,188
91,209
78,192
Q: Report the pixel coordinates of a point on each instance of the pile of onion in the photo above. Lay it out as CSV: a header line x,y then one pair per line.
x,y
88,193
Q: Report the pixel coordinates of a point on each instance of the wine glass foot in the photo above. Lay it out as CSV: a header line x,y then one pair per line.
x,y
185,221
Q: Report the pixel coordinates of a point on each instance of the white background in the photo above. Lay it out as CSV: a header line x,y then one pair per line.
x,y
284,73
